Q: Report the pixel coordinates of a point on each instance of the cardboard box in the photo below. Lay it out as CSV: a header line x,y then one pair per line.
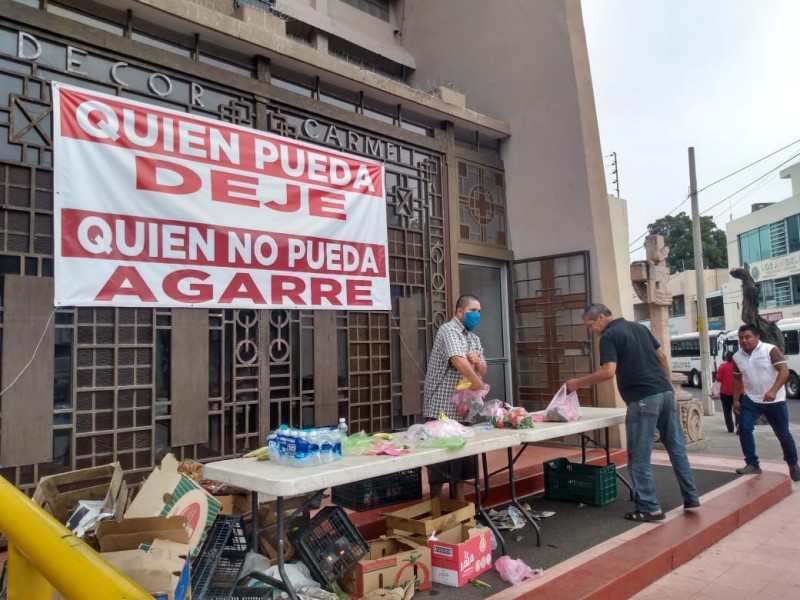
x,y
421,520
59,494
391,561
163,571
460,554
129,534
167,493
267,516
234,504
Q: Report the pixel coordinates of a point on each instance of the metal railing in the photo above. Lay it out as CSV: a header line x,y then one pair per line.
x,y
43,554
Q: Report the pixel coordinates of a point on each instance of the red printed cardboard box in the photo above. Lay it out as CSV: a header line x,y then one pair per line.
x,y
460,554
391,561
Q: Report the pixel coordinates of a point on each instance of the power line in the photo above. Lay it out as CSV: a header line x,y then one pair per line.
x,y
682,202
748,166
756,180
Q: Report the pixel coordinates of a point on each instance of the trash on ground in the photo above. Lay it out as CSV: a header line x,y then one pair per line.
x,y
515,571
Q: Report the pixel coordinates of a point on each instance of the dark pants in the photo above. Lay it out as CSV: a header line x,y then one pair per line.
x,y
777,415
727,410
458,469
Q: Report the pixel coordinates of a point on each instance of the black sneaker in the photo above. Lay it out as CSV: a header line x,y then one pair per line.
x,y
754,470
794,472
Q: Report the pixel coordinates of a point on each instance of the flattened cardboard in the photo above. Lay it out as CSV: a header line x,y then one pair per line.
x,y
167,493
161,572
129,534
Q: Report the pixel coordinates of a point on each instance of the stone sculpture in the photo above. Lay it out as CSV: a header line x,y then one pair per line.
x,y
650,280
767,330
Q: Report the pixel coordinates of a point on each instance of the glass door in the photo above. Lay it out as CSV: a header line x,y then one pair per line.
x,y
488,280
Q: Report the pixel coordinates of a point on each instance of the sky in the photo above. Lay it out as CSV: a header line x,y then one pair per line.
x,y
722,76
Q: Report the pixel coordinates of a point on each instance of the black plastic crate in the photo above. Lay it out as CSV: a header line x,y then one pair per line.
x,y
330,545
377,492
217,567
245,593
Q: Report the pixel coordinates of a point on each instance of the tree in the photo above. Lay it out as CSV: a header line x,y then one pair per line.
x,y
677,232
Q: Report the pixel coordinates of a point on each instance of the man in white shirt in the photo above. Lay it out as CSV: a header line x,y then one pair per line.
x,y
762,368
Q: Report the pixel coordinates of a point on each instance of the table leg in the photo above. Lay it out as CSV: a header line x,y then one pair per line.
x,y
585,439
515,501
482,512
288,587
254,516
283,583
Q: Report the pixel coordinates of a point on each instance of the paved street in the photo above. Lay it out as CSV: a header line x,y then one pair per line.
x,y
722,443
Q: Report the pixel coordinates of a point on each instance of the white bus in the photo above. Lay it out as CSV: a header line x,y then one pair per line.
x,y
791,349
686,355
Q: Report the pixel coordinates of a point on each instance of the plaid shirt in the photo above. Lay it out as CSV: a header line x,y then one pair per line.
x,y
452,339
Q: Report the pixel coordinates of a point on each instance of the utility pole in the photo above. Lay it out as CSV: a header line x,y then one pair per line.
x,y
614,171
702,313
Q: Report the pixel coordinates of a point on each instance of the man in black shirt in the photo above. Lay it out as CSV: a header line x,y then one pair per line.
x,y
629,351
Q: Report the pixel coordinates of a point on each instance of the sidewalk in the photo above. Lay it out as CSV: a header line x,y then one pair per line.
x,y
757,560
760,558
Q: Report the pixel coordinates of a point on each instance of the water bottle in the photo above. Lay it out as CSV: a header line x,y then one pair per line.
x,y
273,447
327,445
301,448
314,450
342,427
283,445
291,446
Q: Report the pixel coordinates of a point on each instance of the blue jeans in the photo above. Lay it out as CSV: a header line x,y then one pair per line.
x,y
777,415
644,417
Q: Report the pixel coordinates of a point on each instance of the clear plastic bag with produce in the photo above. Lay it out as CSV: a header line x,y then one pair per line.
x,y
468,403
440,429
564,407
515,417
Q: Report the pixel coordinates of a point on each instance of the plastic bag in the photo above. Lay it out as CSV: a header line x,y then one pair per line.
x,y
715,388
515,571
564,407
443,442
357,444
494,408
469,402
442,433
515,417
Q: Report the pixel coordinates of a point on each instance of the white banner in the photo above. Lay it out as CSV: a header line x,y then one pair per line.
x,y
155,207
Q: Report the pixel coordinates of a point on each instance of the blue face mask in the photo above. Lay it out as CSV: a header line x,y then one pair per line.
x,y
471,320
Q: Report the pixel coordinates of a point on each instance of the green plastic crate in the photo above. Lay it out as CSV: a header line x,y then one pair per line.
x,y
590,484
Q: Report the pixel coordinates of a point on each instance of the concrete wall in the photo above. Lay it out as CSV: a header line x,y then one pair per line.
x,y
618,208
527,64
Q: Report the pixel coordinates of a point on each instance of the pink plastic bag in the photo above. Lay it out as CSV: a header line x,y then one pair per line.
x,y
469,403
515,571
564,407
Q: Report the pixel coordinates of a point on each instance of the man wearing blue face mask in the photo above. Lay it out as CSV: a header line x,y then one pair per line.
x,y
456,353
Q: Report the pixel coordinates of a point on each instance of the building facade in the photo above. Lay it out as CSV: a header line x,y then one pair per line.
x,y
768,240
494,186
683,314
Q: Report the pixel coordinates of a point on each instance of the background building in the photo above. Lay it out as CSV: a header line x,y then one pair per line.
x,y
768,240
683,313
484,117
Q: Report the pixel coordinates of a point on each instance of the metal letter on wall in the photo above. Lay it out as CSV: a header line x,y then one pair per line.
x,y
26,436
189,376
